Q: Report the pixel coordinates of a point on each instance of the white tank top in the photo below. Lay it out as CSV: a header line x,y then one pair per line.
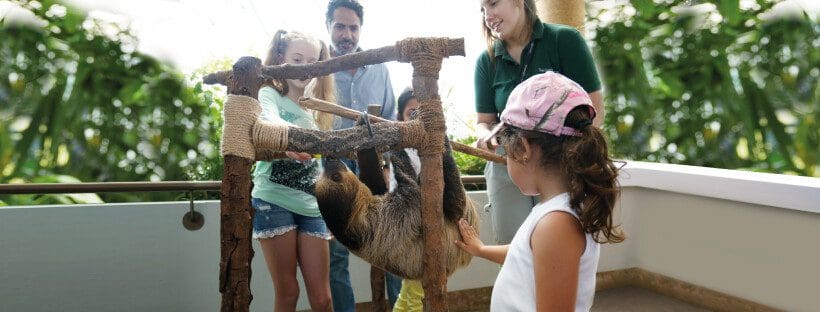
x,y
514,289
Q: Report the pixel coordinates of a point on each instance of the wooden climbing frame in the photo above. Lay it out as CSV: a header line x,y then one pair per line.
x,y
426,134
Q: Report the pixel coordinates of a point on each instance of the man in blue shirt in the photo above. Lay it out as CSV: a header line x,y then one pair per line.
x,y
361,86
356,88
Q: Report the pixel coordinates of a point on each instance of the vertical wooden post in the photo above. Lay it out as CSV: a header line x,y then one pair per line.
x,y
431,113
377,276
566,12
236,213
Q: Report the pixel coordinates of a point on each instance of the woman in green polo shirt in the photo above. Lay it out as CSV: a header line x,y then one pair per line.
x,y
519,46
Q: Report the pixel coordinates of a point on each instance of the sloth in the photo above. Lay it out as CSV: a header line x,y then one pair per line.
x,y
386,230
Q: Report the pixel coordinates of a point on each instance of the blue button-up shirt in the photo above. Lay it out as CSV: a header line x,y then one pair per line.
x,y
370,85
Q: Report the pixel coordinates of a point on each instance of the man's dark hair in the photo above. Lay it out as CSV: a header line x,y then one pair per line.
x,y
349,4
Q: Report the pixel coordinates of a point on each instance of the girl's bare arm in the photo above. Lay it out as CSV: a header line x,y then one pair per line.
x,y
473,245
557,245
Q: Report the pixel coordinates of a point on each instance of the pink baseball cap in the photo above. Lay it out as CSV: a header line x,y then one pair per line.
x,y
542,102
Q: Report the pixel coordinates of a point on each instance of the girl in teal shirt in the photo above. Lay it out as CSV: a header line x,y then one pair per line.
x,y
287,221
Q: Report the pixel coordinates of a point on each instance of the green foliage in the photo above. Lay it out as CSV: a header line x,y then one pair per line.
x,y
76,99
711,85
468,164
210,168
716,85
53,199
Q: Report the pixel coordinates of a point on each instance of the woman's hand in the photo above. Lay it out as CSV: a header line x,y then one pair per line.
x,y
470,241
484,130
298,156
487,142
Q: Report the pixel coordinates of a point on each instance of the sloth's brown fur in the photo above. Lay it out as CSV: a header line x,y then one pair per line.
x,y
386,230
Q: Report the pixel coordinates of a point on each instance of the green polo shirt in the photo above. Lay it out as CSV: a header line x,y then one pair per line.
x,y
556,48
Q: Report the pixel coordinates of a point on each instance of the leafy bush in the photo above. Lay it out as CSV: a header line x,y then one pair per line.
x,y
468,164
80,101
721,85
714,85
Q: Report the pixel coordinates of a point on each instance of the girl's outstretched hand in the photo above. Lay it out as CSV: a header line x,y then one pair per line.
x,y
470,242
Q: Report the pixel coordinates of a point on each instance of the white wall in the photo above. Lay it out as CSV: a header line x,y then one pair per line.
x,y
764,254
751,235
138,257
114,257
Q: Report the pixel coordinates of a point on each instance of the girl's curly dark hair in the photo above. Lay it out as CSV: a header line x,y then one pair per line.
x,y
585,162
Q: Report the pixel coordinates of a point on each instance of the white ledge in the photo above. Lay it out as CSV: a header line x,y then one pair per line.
x,y
777,190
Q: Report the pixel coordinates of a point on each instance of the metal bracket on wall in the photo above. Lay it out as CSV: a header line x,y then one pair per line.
x,y
192,220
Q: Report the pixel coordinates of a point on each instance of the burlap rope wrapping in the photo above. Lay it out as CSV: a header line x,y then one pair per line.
x,y
412,134
424,53
270,136
240,115
434,127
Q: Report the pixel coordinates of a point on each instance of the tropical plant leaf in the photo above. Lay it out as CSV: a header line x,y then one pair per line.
x,y
683,88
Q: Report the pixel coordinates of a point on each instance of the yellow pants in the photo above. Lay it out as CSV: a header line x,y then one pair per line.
x,y
410,297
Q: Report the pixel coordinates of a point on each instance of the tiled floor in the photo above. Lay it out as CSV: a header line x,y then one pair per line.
x,y
637,300
631,299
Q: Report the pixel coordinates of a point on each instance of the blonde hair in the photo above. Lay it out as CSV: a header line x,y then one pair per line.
x,y
530,17
323,87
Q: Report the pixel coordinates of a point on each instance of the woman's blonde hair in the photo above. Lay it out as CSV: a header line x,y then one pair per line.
x,y
530,16
323,87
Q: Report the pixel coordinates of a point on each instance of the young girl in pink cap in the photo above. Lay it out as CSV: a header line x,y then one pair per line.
x,y
553,152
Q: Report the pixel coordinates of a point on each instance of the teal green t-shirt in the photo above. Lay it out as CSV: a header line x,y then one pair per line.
x,y
285,182
556,48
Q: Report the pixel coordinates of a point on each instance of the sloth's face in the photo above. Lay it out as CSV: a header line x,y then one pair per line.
x,y
337,185
334,170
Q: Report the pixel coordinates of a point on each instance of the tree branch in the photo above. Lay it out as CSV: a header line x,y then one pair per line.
x,y
338,110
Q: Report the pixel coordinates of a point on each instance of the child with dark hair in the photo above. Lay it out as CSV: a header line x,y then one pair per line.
x,y
407,105
519,46
553,152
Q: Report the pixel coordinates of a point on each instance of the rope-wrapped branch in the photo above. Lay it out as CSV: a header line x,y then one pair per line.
x,y
391,136
402,52
245,135
239,115
338,110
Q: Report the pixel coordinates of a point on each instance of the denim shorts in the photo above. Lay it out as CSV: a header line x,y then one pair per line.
x,y
270,220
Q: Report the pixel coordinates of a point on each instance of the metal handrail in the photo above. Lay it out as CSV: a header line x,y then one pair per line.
x,y
473,179
108,187
114,187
